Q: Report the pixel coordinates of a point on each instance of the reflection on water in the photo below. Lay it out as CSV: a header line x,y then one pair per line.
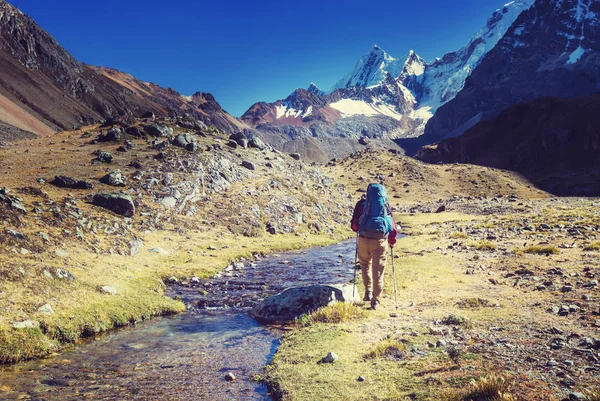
x,y
187,356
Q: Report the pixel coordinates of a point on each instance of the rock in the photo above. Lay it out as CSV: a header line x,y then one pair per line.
x,y
230,377
182,140
294,302
15,234
114,178
149,115
160,156
257,143
172,280
567,288
135,246
364,140
46,310
63,274
121,204
441,209
361,379
134,131
195,280
440,343
158,250
295,156
575,396
158,130
113,135
103,157
243,143
27,324
63,181
248,165
169,202
11,201
192,147
232,144
61,253
330,358
106,289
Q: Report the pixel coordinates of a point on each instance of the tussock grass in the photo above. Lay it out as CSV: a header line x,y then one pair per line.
x,y
338,312
473,303
389,349
458,235
541,250
592,246
490,388
484,245
457,320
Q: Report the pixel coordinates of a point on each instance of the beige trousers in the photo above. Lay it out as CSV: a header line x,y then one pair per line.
x,y
372,256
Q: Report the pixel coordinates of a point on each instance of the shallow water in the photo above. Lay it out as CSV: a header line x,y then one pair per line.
x,y
184,357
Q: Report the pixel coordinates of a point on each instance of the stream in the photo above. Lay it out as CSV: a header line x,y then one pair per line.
x,y
185,357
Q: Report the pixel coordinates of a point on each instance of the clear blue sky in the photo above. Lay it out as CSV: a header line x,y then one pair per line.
x,y
244,51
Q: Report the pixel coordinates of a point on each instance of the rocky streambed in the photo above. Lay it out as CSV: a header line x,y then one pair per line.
x,y
213,351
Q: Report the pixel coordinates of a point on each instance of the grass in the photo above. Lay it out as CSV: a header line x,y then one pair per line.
x,y
484,245
489,388
456,320
458,235
592,246
541,250
338,312
592,394
389,349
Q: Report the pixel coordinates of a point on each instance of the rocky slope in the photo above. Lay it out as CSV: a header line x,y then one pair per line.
x,y
105,213
550,50
44,89
382,97
552,141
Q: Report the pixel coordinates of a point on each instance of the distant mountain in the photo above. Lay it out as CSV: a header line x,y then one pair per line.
x,y
552,49
44,89
554,142
383,97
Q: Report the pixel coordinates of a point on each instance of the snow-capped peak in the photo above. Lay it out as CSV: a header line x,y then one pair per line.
x,y
371,70
313,88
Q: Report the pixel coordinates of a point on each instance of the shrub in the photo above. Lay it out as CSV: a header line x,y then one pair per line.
x,y
338,312
541,250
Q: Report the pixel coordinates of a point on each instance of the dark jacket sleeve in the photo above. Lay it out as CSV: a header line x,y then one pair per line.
x,y
358,209
394,232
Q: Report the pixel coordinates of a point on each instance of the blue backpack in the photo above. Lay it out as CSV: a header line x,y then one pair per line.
x,y
375,221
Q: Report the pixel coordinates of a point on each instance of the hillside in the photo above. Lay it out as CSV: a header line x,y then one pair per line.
x,y
552,141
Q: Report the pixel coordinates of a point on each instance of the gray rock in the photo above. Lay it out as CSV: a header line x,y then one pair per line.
x,y
107,289
113,135
364,140
15,234
135,246
195,280
230,377
119,203
295,156
158,130
63,274
169,202
248,165
114,178
440,343
104,157
575,396
257,143
330,358
294,302
61,253
158,250
182,140
27,324
172,280
232,144
63,181
47,273
46,309
134,131
11,201
149,115
361,379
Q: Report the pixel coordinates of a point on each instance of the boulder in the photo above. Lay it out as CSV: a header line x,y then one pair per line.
x,y
364,140
113,135
232,144
114,178
182,140
248,165
294,302
119,203
257,143
103,156
106,289
46,309
27,324
295,156
150,115
63,181
134,131
158,130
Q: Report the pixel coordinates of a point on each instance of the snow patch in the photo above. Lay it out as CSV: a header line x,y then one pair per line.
x,y
351,107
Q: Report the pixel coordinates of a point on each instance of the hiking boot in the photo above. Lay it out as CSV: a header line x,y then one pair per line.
x,y
374,304
367,296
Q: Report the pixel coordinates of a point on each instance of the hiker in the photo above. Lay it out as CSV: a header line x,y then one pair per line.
x,y
373,222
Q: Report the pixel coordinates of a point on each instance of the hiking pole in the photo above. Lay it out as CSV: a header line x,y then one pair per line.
x,y
354,267
394,274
